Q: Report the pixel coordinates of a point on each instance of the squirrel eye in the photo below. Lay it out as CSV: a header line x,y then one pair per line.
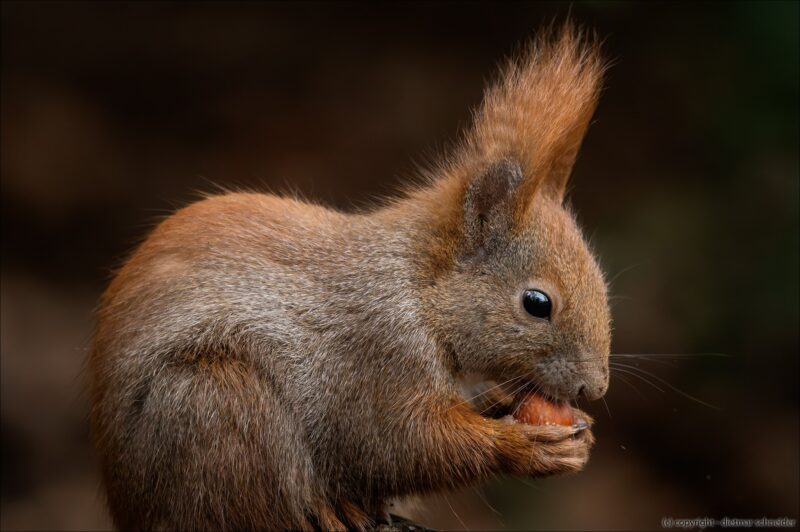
x,y
537,304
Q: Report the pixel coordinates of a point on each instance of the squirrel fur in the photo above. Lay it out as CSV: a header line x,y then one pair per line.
x,y
261,362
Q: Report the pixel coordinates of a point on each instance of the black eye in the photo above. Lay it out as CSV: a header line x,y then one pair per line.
x,y
537,304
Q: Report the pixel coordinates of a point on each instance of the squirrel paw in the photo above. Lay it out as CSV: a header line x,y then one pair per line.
x,y
541,450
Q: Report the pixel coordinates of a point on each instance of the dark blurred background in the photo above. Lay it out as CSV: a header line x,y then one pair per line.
x,y
115,114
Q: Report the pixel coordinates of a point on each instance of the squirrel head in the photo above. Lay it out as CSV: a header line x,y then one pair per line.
x,y
517,292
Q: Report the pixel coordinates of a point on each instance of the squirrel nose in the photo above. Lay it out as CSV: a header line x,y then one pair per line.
x,y
594,389
594,379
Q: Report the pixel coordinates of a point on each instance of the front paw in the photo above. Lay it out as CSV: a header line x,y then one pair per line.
x,y
542,450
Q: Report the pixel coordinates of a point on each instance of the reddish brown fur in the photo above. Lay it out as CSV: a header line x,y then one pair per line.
x,y
262,363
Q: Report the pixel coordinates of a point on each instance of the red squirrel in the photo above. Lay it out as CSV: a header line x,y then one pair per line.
x,y
261,362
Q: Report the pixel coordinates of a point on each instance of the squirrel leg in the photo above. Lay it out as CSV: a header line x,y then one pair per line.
x,y
201,448
354,516
344,515
327,519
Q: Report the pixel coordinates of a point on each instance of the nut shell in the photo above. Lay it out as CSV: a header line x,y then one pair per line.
x,y
536,410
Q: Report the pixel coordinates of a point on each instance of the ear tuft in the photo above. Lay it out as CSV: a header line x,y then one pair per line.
x,y
538,111
489,206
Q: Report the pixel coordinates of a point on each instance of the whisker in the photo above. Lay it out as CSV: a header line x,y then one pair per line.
x,y
592,360
454,512
645,356
520,387
529,484
620,297
625,270
626,381
481,497
676,355
519,404
607,409
673,388
650,357
469,400
653,360
640,377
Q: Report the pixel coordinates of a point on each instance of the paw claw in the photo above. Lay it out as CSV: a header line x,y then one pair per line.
x,y
580,424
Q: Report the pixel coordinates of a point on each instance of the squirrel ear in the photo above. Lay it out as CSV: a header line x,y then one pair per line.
x,y
538,111
489,206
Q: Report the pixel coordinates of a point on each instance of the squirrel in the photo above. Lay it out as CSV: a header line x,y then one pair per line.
x,y
262,362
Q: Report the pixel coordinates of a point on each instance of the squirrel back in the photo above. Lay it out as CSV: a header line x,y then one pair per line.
x,y
262,362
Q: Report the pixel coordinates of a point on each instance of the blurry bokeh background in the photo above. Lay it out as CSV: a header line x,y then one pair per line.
x,y
113,115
